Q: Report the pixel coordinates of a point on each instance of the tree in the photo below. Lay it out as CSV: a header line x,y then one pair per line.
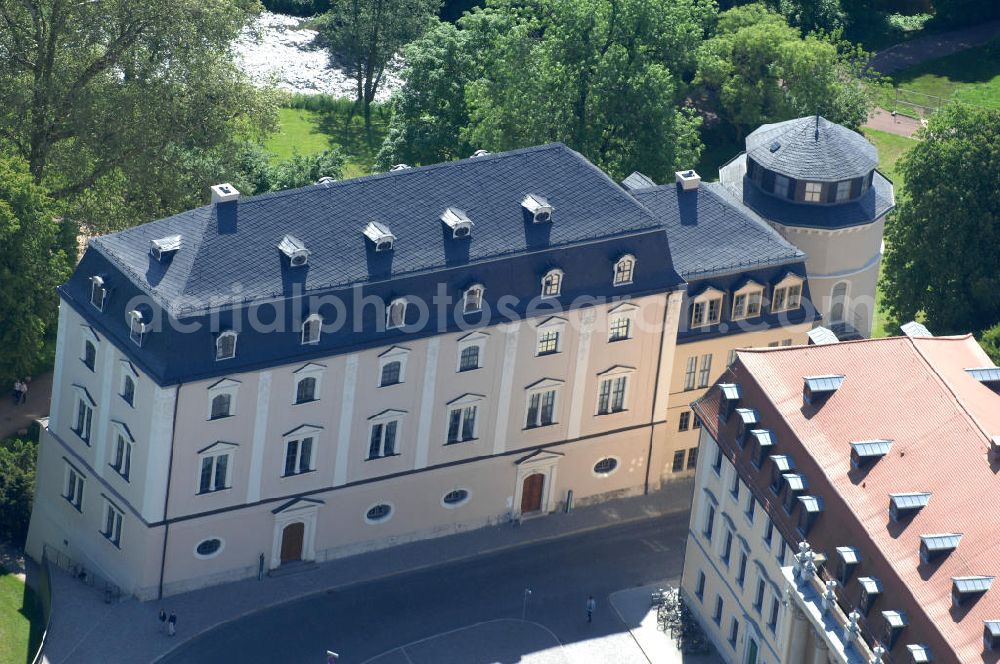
x,y
990,341
128,109
758,69
812,15
941,244
17,487
34,259
367,34
301,170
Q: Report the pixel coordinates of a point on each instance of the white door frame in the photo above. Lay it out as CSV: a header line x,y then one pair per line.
x,y
541,463
302,511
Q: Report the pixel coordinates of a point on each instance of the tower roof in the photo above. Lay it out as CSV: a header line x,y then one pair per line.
x,y
812,148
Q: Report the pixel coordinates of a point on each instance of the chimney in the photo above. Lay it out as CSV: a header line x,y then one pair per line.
x,y
688,180
225,198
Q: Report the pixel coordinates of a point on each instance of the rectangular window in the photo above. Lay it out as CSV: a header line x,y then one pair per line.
x,y
696,422
780,556
698,314
692,366
684,423
768,532
778,299
620,328
84,418
780,186
214,473
706,367
112,528
548,342
741,572
758,599
814,192
772,620
469,358
462,424
740,306
611,398
298,456
692,458
734,630
709,523
121,460
97,292
717,463
717,613
382,442
753,304
773,344
731,358
734,489
541,409
700,588
714,310
843,190
786,342
678,464
73,491
751,507
727,547
794,296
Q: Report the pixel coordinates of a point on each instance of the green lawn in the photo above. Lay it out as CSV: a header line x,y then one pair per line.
x,y
971,76
308,132
21,623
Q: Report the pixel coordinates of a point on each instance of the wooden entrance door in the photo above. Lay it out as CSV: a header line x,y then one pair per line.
x,y
531,493
291,542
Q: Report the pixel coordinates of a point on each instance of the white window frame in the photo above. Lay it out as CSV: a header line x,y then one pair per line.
x,y
624,270
89,336
784,286
705,299
116,516
310,370
315,332
84,401
462,404
552,283
136,327
128,372
383,419
553,324
623,312
224,386
73,483
218,345
813,192
750,292
296,436
97,285
472,299
392,320
690,372
121,434
394,354
473,339
541,388
214,452
611,376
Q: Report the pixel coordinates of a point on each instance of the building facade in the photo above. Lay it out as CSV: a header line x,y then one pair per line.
x,y
843,508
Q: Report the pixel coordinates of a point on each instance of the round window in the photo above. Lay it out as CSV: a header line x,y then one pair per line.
x,y
208,548
605,466
379,512
455,498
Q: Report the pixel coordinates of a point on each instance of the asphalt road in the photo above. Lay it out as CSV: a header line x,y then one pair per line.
x,y
367,620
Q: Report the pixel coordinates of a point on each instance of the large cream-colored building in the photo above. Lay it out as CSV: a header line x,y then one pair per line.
x,y
304,375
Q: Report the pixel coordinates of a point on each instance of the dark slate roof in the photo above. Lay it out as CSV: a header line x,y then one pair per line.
x,y
637,180
874,203
240,264
812,148
710,232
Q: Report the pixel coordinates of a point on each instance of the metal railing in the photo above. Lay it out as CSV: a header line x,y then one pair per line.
x,y
86,575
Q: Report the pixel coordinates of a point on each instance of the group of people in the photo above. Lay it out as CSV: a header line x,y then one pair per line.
x,y
21,391
169,622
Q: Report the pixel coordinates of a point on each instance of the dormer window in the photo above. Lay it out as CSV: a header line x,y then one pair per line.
x,y
871,588
380,235
867,452
812,507
817,389
706,309
747,301
472,299
895,623
164,247
225,345
552,283
780,464
730,393
905,505
849,560
97,292
933,547
787,294
539,208
395,315
458,222
991,635
814,192
136,327
624,267
294,250
311,329
968,588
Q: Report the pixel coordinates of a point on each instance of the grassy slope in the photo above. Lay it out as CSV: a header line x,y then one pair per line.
x,y
20,621
971,76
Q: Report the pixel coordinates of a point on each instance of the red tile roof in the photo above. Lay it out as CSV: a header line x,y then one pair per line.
x,y
916,393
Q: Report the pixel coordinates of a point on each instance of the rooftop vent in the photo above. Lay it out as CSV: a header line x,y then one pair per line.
x,y
458,222
933,547
326,180
965,588
400,167
774,146
819,336
688,180
538,207
164,247
915,329
817,389
380,235
480,153
865,452
905,505
991,635
296,251
919,653
224,193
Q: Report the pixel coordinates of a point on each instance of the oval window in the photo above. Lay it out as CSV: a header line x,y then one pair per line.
x,y
455,498
379,512
209,547
605,466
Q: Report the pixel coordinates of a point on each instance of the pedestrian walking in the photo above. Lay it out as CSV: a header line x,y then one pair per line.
x,y
24,390
591,605
18,391
163,620
172,624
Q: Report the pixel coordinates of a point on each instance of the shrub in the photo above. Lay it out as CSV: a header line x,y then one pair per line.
x,y
17,487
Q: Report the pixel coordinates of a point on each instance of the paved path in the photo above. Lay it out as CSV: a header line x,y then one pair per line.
x,y
84,629
931,47
17,418
633,607
901,125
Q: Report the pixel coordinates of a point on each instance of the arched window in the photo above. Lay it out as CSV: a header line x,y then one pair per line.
x,y
395,315
552,283
473,300
838,300
305,390
311,328
390,373
128,390
221,406
225,345
89,354
624,268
